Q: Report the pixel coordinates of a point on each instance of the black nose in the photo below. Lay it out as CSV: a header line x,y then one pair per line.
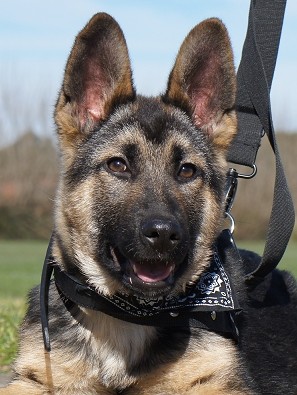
x,y
161,234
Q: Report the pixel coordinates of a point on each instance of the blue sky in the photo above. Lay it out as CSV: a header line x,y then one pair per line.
x,y
36,37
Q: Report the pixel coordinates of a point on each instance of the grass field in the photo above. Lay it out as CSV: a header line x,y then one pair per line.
x,y
20,269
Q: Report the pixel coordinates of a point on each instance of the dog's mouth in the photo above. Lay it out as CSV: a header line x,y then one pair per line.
x,y
145,275
152,272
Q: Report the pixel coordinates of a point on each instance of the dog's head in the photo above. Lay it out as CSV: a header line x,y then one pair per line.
x,y
141,194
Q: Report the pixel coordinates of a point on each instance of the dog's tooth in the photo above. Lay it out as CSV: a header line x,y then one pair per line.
x,y
172,268
130,279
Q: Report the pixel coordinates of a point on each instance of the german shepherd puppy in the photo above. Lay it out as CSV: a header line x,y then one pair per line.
x,y
138,211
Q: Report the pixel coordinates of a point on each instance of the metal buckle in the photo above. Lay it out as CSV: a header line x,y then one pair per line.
x,y
232,226
231,188
248,176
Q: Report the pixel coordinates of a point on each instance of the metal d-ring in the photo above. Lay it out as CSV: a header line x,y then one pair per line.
x,y
232,227
231,188
249,176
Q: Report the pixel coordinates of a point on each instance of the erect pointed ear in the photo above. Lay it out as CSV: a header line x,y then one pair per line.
x,y
202,81
97,77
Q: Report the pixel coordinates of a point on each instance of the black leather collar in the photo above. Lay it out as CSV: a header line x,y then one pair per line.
x,y
209,304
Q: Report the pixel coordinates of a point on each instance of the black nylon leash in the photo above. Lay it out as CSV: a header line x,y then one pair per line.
x,y
254,80
46,275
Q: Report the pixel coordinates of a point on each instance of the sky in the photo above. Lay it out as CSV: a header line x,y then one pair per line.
x,y
36,37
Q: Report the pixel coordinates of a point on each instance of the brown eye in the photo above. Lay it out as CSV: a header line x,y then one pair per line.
x,y
117,165
187,171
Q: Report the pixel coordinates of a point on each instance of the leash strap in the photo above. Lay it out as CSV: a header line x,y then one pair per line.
x,y
254,80
47,271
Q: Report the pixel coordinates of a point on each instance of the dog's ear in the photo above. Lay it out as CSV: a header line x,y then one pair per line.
x,y
97,77
202,81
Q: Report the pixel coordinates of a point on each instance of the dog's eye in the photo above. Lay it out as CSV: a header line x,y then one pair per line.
x,y
117,165
187,171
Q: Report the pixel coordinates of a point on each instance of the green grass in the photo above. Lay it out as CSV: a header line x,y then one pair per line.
x,y
11,315
20,266
20,269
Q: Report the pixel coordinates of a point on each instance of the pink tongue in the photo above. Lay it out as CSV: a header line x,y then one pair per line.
x,y
152,273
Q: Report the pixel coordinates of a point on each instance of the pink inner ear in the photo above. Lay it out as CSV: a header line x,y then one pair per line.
x,y
205,107
91,105
205,90
201,107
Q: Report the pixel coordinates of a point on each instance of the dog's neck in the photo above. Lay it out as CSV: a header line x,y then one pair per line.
x,y
209,304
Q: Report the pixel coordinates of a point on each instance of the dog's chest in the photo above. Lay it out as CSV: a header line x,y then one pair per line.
x,y
117,347
135,358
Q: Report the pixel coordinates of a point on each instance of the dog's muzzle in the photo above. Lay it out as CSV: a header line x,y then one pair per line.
x,y
156,259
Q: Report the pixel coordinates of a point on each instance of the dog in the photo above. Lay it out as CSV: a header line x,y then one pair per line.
x,y
139,217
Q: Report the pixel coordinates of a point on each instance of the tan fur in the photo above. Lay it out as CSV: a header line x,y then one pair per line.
x,y
205,368
113,343
195,373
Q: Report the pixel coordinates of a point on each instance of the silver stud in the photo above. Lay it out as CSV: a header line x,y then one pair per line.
x,y
174,314
213,315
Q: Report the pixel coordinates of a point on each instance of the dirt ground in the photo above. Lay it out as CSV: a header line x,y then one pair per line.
x,y
4,379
